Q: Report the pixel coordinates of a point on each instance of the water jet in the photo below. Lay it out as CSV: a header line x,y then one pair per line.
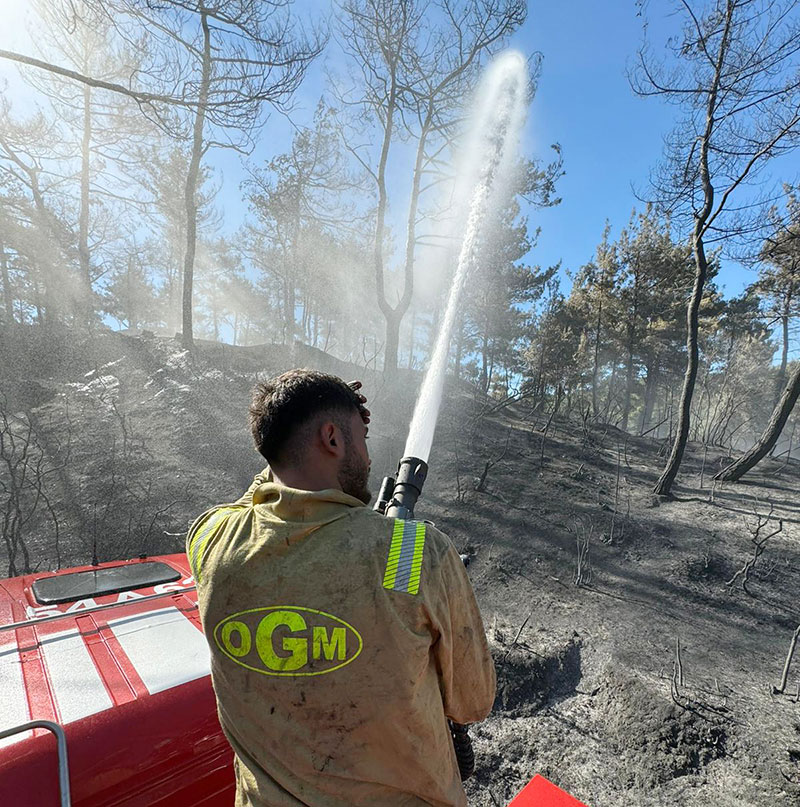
x,y
484,168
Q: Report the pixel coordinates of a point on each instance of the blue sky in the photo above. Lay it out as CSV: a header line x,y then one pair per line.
x,y
610,138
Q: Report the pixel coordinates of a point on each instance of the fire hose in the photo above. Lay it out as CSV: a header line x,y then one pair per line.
x,y
397,499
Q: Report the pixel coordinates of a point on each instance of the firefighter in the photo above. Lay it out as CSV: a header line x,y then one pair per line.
x,y
341,641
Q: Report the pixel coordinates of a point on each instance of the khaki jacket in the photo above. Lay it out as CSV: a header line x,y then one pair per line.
x,y
340,641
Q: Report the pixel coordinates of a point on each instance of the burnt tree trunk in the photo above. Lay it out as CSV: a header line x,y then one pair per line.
x,y
392,338
84,306
412,334
785,314
459,347
288,304
596,362
664,485
763,446
485,359
631,333
392,347
626,410
190,190
8,294
394,315
650,389
133,314
610,395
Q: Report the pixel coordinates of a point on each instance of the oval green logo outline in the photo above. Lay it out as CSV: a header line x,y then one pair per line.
x,y
248,640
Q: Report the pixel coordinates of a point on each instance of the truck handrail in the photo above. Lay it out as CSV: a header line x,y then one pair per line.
x,y
105,606
61,744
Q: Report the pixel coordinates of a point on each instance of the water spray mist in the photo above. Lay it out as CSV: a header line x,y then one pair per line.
x,y
484,167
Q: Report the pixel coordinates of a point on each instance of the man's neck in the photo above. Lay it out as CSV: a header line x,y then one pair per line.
x,y
301,479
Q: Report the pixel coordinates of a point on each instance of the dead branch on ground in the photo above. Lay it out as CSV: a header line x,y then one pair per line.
x,y
480,484
758,541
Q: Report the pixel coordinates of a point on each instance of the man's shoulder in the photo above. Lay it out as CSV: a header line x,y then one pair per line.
x,y
368,516
391,530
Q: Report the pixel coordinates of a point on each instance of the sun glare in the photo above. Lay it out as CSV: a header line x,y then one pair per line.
x,y
14,33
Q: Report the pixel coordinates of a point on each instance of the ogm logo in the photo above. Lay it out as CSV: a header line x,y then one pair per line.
x,y
288,640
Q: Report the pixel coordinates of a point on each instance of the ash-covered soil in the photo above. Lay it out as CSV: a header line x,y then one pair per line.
x,y
138,437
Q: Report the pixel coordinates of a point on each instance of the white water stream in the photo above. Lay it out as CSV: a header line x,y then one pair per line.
x,y
495,124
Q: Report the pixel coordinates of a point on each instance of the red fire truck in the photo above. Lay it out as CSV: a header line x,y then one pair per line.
x,y
105,694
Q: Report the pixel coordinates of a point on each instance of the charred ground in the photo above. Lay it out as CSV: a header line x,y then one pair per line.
x,y
134,437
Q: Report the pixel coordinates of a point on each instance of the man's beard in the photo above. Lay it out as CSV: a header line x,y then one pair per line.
x,y
354,477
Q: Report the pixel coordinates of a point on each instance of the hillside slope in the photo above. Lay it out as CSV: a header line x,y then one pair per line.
x,y
136,438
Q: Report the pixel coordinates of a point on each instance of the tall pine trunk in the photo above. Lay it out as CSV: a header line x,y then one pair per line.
x,y
8,294
392,338
485,359
781,380
391,348
664,485
626,411
650,388
190,190
459,347
411,338
84,303
610,395
133,314
596,363
288,306
394,315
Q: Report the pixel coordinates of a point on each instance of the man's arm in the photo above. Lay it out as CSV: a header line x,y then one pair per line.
x,y
464,662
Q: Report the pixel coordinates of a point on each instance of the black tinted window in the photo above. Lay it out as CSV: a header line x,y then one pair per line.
x,y
96,582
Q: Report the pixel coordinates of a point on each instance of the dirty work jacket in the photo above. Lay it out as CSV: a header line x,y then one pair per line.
x,y
340,640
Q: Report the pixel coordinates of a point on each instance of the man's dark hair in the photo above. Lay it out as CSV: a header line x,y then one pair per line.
x,y
282,405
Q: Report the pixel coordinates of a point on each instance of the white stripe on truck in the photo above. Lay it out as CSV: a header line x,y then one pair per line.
x,y
165,648
78,689
13,701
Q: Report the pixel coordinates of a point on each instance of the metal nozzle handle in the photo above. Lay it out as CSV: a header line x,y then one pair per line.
x,y
411,475
385,495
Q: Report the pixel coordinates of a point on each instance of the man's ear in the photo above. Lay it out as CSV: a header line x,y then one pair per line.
x,y
331,438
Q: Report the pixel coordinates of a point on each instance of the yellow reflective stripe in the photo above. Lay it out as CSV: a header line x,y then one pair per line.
x,y
416,563
199,535
192,545
394,555
203,536
404,565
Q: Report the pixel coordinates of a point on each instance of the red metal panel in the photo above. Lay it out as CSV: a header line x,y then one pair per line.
x,y
539,792
139,750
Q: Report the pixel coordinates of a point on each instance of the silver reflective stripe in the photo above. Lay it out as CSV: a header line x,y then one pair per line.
x,y
406,556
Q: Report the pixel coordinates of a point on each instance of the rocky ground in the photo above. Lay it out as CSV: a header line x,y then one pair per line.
x,y
631,670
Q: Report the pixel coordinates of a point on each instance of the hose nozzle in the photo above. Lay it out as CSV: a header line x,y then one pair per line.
x,y
411,475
